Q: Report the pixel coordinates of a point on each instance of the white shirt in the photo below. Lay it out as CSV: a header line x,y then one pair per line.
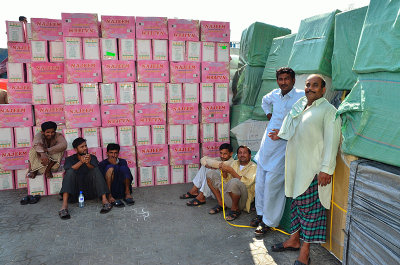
x,y
271,156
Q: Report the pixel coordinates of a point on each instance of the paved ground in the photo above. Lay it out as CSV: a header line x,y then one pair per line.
x,y
158,229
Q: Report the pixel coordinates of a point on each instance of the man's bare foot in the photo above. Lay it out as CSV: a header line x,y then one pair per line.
x,y
291,243
110,199
31,174
128,196
304,255
48,174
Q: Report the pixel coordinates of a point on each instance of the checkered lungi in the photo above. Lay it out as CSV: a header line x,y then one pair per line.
x,y
309,216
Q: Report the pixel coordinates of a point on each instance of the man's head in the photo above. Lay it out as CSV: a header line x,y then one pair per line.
x,y
49,129
314,88
113,151
225,151
285,77
244,154
22,19
79,144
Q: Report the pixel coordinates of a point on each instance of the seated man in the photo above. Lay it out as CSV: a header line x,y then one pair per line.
x,y
200,189
239,184
118,177
47,151
82,174
3,97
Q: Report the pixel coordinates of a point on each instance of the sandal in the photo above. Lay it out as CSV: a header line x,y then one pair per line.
x,y
262,229
195,202
106,208
187,195
256,221
64,214
25,200
34,199
216,209
118,204
232,215
280,248
129,201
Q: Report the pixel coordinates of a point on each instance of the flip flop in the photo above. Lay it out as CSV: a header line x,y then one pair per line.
x,y
34,199
25,200
195,202
129,201
232,215
216,209
279,248
106,208
187,195
64,214
118,204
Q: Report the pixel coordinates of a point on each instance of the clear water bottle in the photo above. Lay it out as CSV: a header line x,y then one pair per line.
x,y
81,200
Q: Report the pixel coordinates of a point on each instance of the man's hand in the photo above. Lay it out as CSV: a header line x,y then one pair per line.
x,y
87,159
274,134
269,115
324,178
225,167
44,159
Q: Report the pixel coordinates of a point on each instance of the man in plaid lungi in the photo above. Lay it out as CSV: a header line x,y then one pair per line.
x,y
313,134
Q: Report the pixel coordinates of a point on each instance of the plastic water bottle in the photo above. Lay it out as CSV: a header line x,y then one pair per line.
x,y
81,200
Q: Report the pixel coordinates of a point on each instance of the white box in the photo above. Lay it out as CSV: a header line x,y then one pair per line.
x,y
92,136
108,136
40,94
20,178
126,136
91,49
28,73
177,174
70,135
175,134
175,93
56,94
143,136
161,175
145,176
191,132
206,92
127,49
6,138
39,50
158,134
125,93
15,72
108,94
191,172
54,184
134,180
221,92
72,48
15,31
222,52
193,51
143,50
160,50
37,186
177,50
109,49
191,93
90,93
23,137
142,92
223,132
29,31
158,92
6,180
207,132
56,51
72,94
208,51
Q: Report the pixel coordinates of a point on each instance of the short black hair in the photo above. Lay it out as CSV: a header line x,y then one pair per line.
x,y
226,146
113,147
22,18
285,70
78,141
244,146
48,125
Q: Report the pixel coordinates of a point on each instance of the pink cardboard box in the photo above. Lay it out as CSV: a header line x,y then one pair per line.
x,y
108,94
143,50
158,134
191,133
46,29
215,112
177,174
72,48
56,94
16,73
177,51
185,72
45,113
210,149
72,94
145,176
208,51
151,28
40,94
207,132
90,93
16,115
191,93
126,135
14,158
117,115
83,71
118,27
97,152
183,113
37,186
15,31
92,136
6,180
108,136
56,51
191,172
118,71
160,50
153,71
175,93
54,184
222,52
108,48
19,52
20,178
152,155
215,72
221,92
143,135
150,114
142,93
129,154
80,25
183,29
214,31
82,116
19,93
39,51
91,48
158,93
184,154
126,49
23,137
125,93
6,138
175,134
44,73
70,135
193,51
161,175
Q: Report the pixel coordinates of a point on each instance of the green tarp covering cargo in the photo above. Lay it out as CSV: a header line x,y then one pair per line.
x,y
251,84
266,87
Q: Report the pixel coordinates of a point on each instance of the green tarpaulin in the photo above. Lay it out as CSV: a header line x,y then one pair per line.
x,y
251,84
345,47
266,87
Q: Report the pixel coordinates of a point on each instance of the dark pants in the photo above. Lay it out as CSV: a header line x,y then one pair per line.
x,y
92,184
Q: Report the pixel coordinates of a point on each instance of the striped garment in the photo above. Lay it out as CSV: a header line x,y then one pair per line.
x,y
309,216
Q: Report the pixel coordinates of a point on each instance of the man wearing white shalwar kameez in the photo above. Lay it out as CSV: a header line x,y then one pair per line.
x,y
270,188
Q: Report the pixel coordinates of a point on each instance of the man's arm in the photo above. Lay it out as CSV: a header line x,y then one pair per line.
x,y
60,146
230,170
266,105
210,162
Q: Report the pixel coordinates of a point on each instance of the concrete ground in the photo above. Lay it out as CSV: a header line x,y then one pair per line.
x,y
158,229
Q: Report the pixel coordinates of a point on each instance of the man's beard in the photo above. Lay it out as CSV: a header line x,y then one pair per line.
x,y
83,153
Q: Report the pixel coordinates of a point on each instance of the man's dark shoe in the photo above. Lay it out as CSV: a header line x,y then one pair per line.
x,y
262,229
256,221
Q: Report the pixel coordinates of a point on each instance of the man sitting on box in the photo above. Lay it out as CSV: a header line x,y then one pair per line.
x,y
47,150
238,184
200,189
118,177
82,173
